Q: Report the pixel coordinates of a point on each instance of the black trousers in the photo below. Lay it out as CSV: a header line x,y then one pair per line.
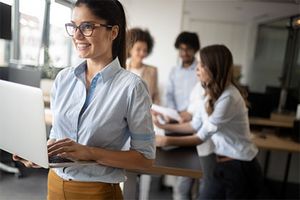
x,y
234,179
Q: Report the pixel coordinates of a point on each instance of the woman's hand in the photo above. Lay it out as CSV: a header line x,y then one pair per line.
x,y
156,115
27,163
159,122
67,148
185,117
160,140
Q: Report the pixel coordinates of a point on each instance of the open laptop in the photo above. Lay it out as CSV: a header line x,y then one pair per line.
x,y
22,125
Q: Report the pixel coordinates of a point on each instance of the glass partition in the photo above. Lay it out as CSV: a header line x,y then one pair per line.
x,y
276,65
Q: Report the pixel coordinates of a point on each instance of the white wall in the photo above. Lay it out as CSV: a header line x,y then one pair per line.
x,y
237,36
163,19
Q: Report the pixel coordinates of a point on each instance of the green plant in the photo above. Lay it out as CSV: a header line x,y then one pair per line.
x,y
48,70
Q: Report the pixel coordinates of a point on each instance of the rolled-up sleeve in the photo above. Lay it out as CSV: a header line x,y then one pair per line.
x,y
196,122
223,113
140,121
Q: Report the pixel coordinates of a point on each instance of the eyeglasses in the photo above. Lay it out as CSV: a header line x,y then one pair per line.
x,y
86,28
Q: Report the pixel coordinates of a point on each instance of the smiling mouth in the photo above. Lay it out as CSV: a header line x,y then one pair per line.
x,y
82,47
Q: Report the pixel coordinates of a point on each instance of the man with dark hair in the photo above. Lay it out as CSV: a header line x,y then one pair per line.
x,y
188,38
182,80
183,77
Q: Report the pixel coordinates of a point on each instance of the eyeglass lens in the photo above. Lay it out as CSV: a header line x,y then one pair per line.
x,y
85,29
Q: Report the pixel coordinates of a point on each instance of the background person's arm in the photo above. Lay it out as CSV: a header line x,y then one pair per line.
x,y
191,140
178,128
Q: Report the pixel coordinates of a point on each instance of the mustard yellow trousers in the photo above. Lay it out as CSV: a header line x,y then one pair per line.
x,y
60,189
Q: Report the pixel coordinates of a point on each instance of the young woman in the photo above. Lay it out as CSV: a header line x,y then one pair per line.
x,y
96,107
222,117
139,46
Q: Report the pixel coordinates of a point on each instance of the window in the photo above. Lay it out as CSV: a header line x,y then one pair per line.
x,y
60,42
31,29
37,35
9,2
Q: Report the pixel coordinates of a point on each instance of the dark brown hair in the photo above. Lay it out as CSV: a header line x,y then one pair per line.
x,y
188,38
113,13
218,61
138,35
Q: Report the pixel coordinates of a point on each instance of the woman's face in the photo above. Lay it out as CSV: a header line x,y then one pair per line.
x,y
203,74
99,44
139,51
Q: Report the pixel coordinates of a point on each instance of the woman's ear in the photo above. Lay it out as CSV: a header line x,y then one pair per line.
x,y
114,32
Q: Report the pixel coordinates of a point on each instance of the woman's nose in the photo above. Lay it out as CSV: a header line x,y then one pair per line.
x,y
78,34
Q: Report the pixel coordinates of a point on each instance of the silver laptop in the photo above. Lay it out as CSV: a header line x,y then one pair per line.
x,y
22,125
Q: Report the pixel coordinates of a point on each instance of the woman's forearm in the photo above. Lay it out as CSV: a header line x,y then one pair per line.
x,y
179,128
121,159
192,140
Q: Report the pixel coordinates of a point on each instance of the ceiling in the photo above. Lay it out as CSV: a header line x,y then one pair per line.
x,y
238,11
235,10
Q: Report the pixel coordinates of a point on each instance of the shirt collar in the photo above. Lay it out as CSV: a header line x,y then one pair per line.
x,y
106,73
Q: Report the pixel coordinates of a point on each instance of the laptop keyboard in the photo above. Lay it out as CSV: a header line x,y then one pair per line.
x,y
58,159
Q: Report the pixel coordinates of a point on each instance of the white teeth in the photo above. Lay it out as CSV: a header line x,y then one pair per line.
x,y
82,46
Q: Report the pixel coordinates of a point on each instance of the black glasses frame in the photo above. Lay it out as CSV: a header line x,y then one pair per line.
x,y
80,27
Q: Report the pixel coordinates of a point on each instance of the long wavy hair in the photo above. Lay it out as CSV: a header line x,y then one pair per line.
x,y
218,62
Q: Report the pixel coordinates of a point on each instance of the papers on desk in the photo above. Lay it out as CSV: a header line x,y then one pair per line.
x,y
169,112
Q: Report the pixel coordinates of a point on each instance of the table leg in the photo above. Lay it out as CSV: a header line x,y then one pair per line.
x,y
131,191
286,174
266,164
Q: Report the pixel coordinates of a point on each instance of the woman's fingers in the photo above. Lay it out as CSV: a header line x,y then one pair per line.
x,y
67,148
59,142
27,163
60,150
16,158
59,146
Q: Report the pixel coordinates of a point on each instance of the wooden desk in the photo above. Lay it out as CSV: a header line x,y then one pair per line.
x,y
269,122
273,142
183,161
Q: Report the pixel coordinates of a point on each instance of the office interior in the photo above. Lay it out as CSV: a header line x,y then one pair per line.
x,y
263,36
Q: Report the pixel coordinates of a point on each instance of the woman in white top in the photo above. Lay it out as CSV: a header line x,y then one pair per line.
x,y
222,117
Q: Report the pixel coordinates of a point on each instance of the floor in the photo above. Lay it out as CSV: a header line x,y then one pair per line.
x,y
31,187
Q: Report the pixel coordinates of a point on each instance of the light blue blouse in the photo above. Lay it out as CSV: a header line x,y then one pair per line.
x,y
180,85
116,108
227,126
